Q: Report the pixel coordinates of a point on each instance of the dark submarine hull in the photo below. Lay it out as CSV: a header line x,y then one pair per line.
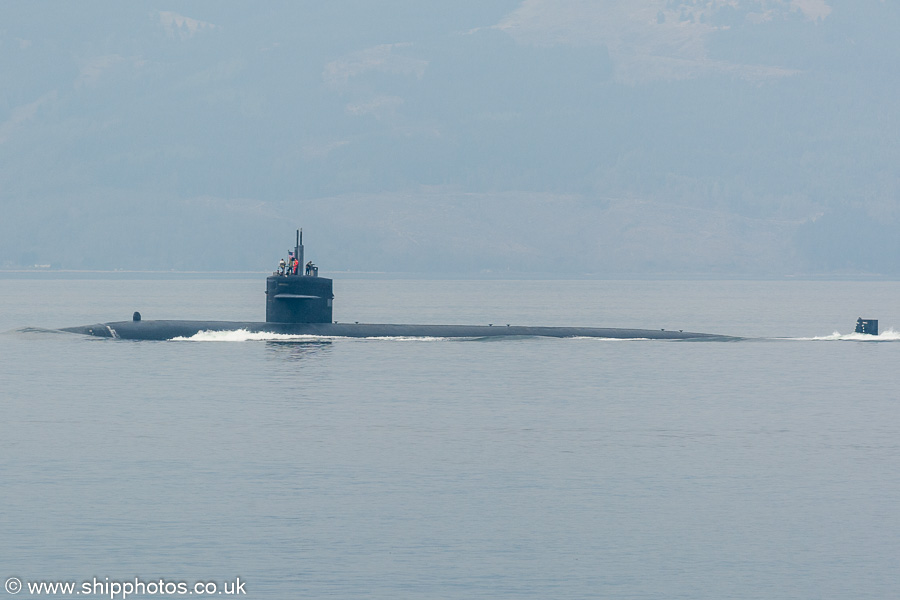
x,y
166,330
301,304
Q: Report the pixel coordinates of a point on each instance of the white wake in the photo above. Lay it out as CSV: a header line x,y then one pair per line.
x,y
885,336
242,335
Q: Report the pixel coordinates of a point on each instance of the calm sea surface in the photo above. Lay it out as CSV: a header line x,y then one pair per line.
x,y
524,468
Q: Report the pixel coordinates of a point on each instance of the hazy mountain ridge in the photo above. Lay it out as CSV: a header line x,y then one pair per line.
x,y
738,137
432,231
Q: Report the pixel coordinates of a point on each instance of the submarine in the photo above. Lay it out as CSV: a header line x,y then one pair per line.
x,y
299,302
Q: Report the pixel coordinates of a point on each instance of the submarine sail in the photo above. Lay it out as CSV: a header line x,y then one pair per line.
x,y
299,295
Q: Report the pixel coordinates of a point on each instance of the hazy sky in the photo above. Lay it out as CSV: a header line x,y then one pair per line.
x,y
729,137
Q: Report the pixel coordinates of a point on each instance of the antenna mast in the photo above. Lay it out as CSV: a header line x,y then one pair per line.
x,y
298,251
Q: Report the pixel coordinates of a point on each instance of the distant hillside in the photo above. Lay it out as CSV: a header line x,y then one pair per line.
x,y
739,138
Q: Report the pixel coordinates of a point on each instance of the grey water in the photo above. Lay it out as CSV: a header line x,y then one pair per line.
x,y
767,467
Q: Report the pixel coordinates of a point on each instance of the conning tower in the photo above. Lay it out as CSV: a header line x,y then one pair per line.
x,y
301,297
